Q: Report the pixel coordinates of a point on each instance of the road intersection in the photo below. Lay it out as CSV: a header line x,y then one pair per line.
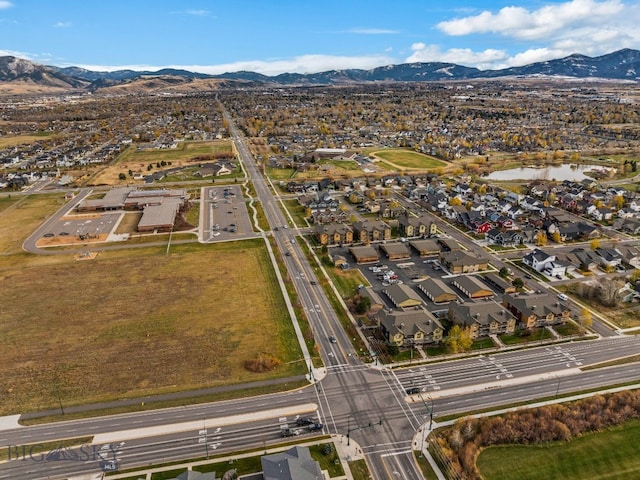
x,y
367,404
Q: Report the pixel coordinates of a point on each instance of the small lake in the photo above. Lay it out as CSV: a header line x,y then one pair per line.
x,y
562,172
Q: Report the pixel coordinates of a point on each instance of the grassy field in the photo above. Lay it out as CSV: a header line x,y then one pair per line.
x,y
8,200
138,161
611,455
359,470
284,174
20,218
401,158
23,139
138,322
297,212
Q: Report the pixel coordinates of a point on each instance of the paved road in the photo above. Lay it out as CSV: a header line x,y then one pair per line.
x,y
367,403
348,400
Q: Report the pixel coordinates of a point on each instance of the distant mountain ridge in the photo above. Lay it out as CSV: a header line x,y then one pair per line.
x,y
620,65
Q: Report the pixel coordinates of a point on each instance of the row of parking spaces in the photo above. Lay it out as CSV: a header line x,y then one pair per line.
x,y
228,212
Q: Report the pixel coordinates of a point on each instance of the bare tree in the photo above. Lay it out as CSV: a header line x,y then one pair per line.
x,y
609,291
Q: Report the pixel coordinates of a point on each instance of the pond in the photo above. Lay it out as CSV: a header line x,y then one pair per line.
x,y
559,173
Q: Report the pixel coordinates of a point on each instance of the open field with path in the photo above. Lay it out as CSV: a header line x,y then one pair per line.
x,y
402,158
138,160
139,322
9,141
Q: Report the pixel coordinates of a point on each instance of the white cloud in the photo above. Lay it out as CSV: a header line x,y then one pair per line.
x,y
5,4
301,64
15,53
198,13
589,27
193,12
520,23
62,24
373,31
461,56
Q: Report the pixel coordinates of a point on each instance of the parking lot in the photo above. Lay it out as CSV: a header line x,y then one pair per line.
x,y
410,271
71,229
225,214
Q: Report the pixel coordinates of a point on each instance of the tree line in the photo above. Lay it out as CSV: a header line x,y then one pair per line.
x,y
458,446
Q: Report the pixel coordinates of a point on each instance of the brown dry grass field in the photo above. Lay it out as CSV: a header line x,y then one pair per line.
x,y
137,161
21,217
21,140
132,322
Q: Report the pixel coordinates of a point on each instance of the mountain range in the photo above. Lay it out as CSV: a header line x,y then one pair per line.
x,y
17,74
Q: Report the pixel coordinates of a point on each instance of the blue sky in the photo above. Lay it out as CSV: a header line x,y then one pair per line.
x,y
277,36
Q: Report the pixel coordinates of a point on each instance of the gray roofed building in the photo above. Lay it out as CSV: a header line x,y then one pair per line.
x,y
609,256
409,328
483,318
402,296
193,475
462,262
537,309
294,464
396,251
425,247
498,282
113,200
365,254
472,287
160,217
449,244
376,302
437,291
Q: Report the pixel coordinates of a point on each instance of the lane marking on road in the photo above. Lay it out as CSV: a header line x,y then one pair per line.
x,y
143,432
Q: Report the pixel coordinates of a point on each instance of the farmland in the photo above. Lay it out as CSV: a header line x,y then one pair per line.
x,y
132,323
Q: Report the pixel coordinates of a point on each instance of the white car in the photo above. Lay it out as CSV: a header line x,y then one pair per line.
x,y
563,297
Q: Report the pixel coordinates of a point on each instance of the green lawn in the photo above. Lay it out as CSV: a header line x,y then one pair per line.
x,y
359,470
284,174
408,158
611,455
297,212
525,336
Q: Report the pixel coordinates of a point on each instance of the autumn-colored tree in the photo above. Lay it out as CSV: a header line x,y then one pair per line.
x,y
541,238
458,340
618,202
594,244
585,320
556,236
